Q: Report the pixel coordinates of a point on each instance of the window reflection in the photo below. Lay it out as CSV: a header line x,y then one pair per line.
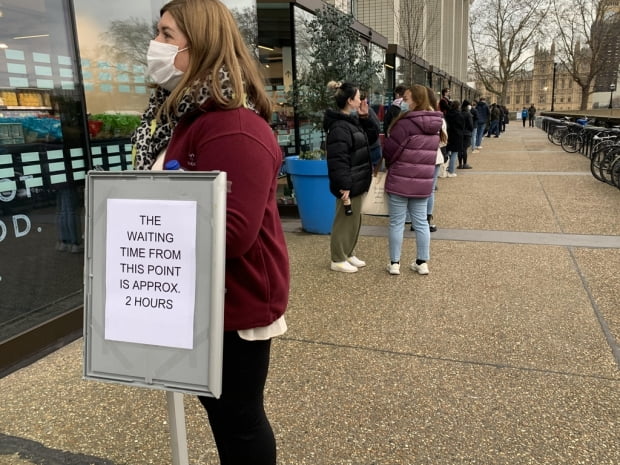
x,y
309,137
42,165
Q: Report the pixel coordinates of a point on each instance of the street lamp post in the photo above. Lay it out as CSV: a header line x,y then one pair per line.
x,y
612,87
553,87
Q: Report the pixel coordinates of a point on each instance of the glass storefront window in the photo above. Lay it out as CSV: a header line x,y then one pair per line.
x,y
42,165
309,137
376,98
275,51
400,71
113,39
419,75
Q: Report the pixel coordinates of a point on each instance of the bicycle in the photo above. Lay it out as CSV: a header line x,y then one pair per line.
x,y
615,173
556,133
604,163
603,139
573,140
557,128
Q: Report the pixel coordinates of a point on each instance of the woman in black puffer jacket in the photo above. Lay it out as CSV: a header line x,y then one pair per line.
x,y
456,125
350,171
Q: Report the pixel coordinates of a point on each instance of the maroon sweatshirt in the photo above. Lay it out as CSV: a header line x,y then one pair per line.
x,y
242,144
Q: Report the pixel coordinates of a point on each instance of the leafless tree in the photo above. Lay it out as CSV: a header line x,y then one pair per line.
x,y
413,26
587,30
415,22
502,34
127,40
248,26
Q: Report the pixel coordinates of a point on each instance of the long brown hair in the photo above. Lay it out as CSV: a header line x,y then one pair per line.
x,y
432,99
434,106
419,96
214,41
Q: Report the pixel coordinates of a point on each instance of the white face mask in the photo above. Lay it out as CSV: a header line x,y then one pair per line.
x,y
160,64
404,106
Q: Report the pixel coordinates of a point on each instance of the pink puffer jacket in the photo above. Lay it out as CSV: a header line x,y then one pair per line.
x,y
411,170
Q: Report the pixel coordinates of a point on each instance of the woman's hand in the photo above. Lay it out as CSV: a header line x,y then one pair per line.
x,y
363,110
345,194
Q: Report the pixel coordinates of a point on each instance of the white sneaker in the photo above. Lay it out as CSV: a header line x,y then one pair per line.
x,y
452,175
475,151
75,248
393,268
479,147
344,267
421,269
353,260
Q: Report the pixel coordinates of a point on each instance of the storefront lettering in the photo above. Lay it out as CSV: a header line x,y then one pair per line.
x,y
21,226
21,223
8,195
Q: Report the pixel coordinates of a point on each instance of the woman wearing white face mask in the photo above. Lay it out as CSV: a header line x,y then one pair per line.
x,y
209,111
410,154
161,58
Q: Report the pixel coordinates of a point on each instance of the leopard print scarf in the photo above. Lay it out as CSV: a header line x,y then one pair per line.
x,y
149,143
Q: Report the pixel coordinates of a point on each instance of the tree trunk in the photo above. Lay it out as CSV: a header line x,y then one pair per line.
x,y
585,93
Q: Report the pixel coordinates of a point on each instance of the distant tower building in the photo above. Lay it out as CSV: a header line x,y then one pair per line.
x,y
610,30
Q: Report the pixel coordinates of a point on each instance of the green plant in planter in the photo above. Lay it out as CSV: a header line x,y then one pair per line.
x,y
116,125
317,154
335,54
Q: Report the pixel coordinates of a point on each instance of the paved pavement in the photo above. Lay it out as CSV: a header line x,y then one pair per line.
x,y
508,352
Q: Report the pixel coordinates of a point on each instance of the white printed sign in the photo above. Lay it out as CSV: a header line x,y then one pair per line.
x,y
151,272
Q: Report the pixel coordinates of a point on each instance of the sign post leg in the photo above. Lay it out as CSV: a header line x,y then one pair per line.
x,y
176,419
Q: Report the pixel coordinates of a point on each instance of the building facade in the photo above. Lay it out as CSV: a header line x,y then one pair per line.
x,y
72,87
435,31
548,86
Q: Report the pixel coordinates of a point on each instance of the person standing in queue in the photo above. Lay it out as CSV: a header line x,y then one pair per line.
x,y
349,134
209,111
410,154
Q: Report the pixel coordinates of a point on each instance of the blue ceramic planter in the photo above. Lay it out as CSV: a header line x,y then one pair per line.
x,y
316,204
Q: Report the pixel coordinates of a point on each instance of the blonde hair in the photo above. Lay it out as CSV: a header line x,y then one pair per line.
x,y
214,42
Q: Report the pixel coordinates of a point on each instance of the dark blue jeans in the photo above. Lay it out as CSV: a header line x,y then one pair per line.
x,y
480,132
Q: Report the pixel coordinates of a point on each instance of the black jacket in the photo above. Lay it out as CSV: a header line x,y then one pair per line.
x,y
474,115
483,112
468,120
348,155
392,112
456,125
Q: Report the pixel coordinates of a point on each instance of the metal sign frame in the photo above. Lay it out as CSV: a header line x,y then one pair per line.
x,y
194,371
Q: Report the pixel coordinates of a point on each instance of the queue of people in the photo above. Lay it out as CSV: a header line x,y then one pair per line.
x,y
412,155
425,139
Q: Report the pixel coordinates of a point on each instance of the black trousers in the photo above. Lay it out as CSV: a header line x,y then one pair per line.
x,y
240,426
462,155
